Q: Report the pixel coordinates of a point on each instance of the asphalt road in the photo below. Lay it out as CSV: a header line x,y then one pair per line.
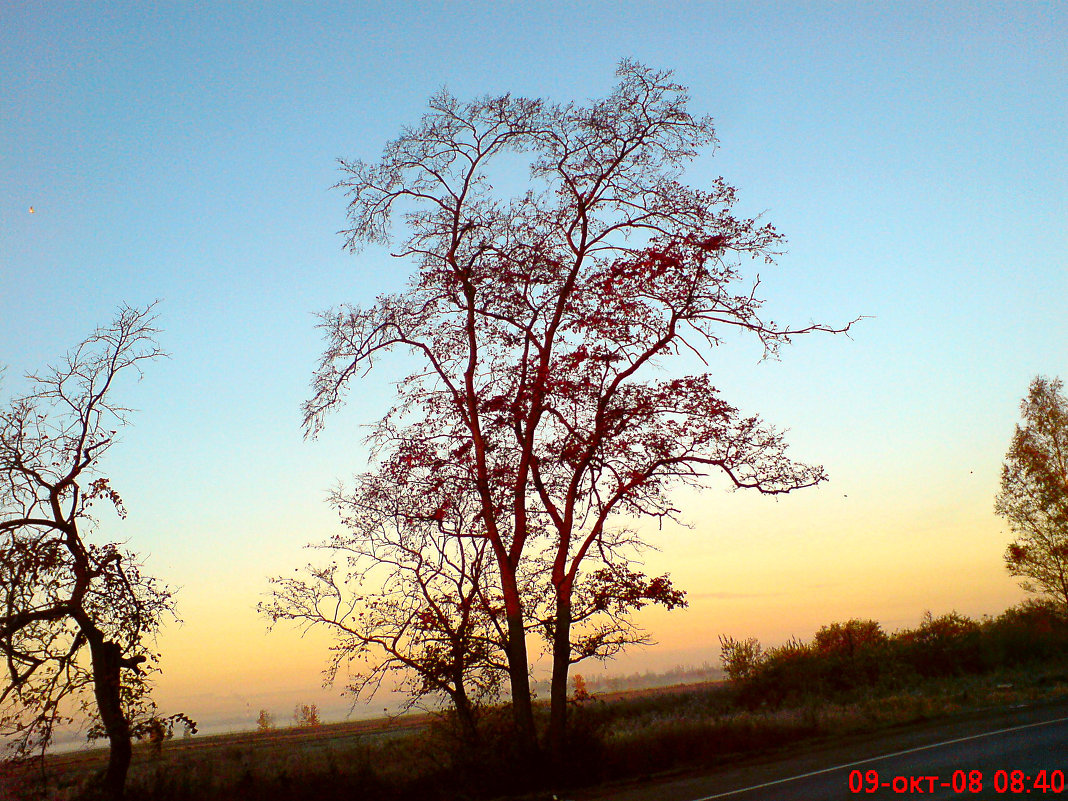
x,y
969,758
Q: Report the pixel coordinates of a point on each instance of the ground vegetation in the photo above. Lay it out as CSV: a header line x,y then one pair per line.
x,y
946,665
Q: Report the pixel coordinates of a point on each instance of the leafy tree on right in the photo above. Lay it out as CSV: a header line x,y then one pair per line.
x,y
1034,492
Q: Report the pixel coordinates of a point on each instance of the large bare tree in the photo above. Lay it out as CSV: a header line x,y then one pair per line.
x,y
77,614
543,325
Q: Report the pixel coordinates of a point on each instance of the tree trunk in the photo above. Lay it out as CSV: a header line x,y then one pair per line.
x,y
561,667
518,670
107,665
465,715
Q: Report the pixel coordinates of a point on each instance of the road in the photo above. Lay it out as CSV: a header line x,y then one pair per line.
x,y
976,755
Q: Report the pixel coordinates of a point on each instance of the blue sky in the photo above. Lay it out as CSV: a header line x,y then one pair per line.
x,y
913,154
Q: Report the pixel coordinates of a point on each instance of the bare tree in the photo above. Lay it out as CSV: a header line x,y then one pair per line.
x,y
1034,492
410,600
416,598
77,614
606,593
541,322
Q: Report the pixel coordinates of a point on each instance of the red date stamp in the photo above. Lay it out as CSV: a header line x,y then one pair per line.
x,y
962,781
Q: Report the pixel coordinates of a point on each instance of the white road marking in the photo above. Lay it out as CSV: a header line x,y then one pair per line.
x,y
877,758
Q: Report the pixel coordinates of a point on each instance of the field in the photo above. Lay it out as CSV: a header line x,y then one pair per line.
x,y
218,760
851,680
619,735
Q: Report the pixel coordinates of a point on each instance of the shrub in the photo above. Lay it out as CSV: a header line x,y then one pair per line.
x,y
790,672
740,658
850,637
1033,631
943,646
306,715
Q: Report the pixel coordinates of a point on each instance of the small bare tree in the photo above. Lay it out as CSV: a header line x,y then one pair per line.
x,y
409,600
606,594
77,614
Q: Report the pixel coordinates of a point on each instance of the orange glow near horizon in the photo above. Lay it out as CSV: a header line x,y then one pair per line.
x,y
751,566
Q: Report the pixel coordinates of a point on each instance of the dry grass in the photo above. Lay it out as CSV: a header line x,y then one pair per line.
x,y
650,734
213,766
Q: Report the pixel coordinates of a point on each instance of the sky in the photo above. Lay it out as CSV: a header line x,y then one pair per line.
x,y
915,156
